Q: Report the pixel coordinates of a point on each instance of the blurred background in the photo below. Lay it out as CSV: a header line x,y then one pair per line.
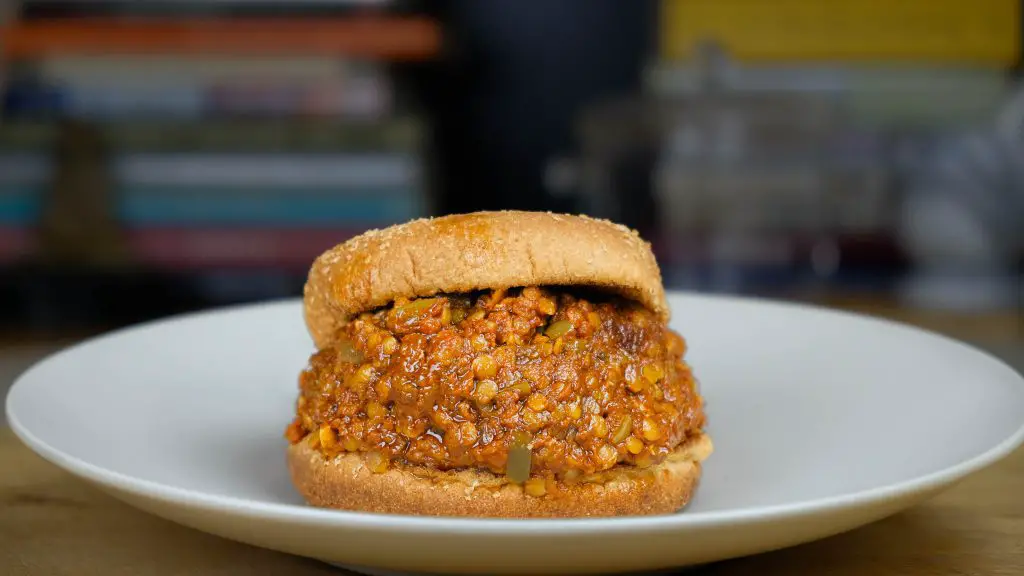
x,y
161,156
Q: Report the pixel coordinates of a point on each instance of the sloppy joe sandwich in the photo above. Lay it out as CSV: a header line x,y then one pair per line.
x,y
495,364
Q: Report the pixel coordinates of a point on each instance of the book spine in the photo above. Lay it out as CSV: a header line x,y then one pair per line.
x,y
378,36
284,170
236,189
22,205
398,134
165,70
198,248
363,99
60,9
210,207
19,205
15,242
24,169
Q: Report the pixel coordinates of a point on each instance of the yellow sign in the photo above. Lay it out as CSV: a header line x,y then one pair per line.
x,y
982,32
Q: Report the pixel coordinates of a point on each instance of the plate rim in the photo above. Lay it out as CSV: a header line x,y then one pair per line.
x,y
542,527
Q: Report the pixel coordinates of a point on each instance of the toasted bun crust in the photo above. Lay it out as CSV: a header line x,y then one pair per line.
x,y
483,250
345,483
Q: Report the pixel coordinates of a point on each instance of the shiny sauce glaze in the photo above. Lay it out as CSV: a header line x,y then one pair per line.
x,y
532,383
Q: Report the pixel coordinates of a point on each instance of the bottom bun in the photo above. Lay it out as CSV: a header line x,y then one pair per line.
x,y
345,483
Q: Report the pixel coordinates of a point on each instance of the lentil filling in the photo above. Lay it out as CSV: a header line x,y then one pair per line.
x,y
530,383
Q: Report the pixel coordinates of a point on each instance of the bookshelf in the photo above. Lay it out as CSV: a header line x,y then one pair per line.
x,y
206,150
782,144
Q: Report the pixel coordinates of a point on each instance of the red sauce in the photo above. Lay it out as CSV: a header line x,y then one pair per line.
x,y
457,381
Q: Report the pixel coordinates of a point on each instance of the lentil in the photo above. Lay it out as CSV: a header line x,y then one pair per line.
x,y
473,381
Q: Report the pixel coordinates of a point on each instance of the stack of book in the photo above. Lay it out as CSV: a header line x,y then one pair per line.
x,y
251,136
23,180
783,133
186,88
276,210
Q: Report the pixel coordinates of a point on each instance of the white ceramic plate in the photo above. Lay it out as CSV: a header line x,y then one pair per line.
x,y
822,421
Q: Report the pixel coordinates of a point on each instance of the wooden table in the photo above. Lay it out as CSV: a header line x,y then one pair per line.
x,y
52,523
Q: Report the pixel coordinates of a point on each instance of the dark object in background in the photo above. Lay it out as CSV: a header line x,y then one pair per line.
x,y
79,224
54,300
81,277
505,103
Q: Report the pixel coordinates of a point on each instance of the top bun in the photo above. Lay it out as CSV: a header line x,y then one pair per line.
x,y
482,250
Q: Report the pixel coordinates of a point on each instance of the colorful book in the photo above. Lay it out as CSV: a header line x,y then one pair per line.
x,y
22,205
175,8
984,32
15,242
366,35
198,248
360,99
24,168
205,206
401,134
278,170
19,207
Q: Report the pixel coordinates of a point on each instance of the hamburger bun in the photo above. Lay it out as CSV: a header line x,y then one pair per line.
x,y
461,254
483,250
345,483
